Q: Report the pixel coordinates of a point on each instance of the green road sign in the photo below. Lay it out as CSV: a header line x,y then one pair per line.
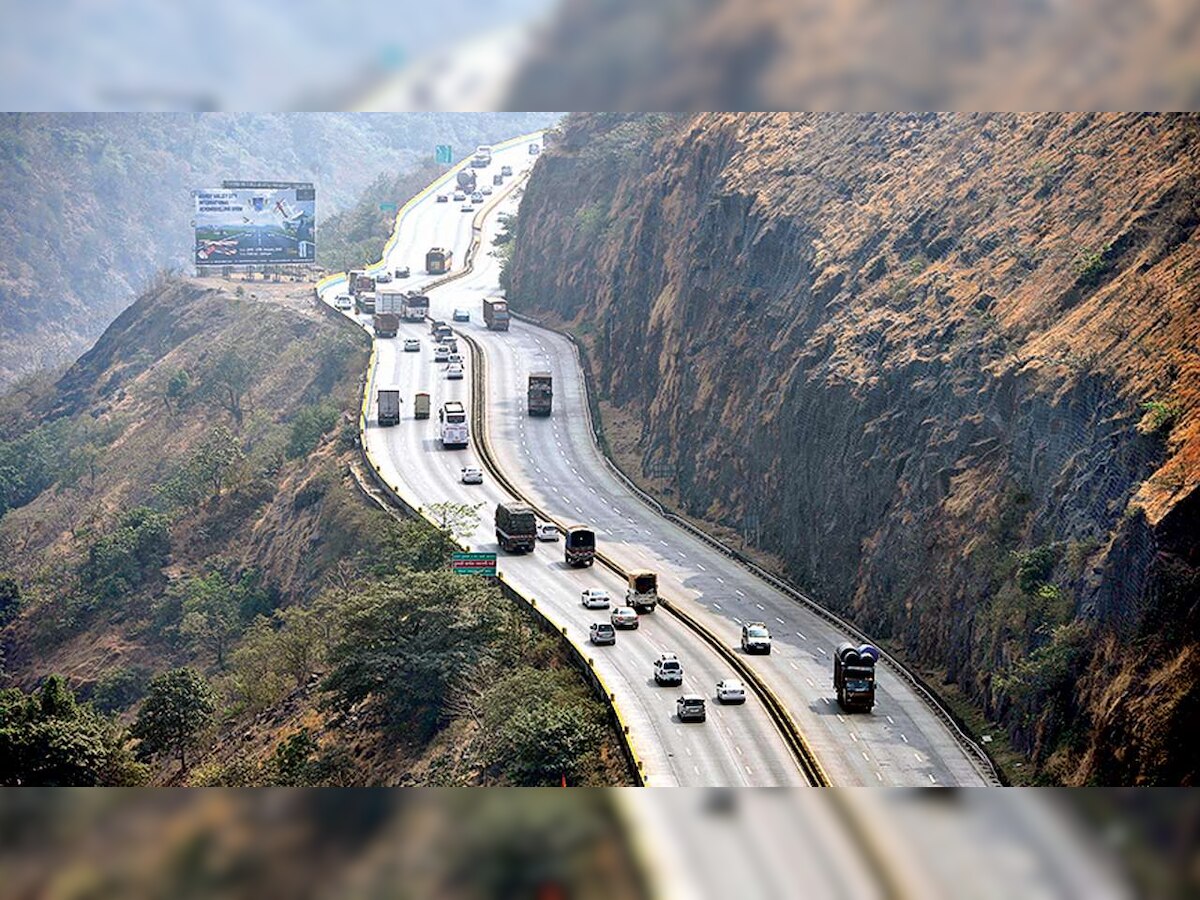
x,y
473,563
387,207
445,156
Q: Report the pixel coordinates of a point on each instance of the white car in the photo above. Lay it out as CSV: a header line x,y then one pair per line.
x,y
467,207
441,353
454,358
454,371
486,190
624,617
412,345
477,197
343,301
595,598
730,690
472,475
459,196
505,170
667,669
461,315
547,531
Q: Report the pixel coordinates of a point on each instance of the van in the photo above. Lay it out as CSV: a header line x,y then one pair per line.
x,y
421,406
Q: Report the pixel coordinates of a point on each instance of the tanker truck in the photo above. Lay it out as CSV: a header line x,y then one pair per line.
x,y
466,181
854,676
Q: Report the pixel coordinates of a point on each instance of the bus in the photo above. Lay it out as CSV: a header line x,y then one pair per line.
x,y
453,420
580,546
439,260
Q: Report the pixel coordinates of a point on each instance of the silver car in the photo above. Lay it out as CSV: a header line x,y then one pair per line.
x,y
624,617
602,633
412,345
690,708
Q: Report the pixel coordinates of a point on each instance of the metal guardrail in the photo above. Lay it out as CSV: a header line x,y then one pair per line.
x,y
978,755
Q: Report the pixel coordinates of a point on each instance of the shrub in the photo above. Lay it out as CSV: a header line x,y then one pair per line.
x,y
120,688
1034,567
1159,416
308,427
128,557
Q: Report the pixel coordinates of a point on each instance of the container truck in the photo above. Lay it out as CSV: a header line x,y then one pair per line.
x,y
541,393
516,527
421,405
415,308
389,406
439,260
386,324
389,302
854,676
365,302
360,282
580,546
495,314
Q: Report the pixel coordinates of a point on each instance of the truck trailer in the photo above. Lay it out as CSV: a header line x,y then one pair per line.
x,y
541,393
386,324
854,676
516,527
389,406
389,302
495,313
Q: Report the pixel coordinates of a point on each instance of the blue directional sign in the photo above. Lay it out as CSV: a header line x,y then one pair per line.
x,y
445,156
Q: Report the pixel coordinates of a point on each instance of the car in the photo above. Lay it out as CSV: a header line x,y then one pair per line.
x,y
756,638
486,190
498,179
459,196
477,197
383,278
412,345
547,531
454,359
624,617
441,353
450,342
690,708
461,315
602,633
442,198
594,598
343,301
730,690
466,207
505,170
472,475
534,149
435,325
403,272
454,371
667,669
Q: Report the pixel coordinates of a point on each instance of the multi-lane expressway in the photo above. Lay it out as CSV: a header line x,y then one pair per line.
x,y
555,463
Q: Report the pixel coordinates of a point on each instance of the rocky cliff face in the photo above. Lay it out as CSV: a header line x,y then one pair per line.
x,y
943,367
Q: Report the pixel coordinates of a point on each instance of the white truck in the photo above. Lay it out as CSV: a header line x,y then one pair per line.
x,y
389,302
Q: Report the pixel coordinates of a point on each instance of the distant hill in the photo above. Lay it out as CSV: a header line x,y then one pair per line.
x,y
91,205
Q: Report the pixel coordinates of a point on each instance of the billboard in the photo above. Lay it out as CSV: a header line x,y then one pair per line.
x,y
255,222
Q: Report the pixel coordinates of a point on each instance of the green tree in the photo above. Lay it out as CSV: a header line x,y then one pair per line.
x,y
178,708
308,427
178,386
228,383
455,520
211,616
257,680
216,458
10,599
290,765
48,738
129,556
403,645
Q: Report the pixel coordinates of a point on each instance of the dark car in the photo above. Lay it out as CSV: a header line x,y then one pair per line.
x,y
403,272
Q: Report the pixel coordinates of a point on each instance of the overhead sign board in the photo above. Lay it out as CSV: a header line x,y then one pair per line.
x,y
444,156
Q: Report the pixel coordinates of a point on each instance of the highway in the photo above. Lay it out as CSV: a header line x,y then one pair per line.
x,y
556,463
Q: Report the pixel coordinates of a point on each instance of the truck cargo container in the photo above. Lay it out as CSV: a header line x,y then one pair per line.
x,y
516,527
421,405
389,406
389,302
386,324
541,393
495,313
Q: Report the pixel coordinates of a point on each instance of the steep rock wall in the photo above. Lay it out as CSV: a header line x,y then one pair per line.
x,y
943,367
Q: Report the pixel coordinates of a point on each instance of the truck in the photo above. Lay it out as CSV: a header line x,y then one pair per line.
x,y
421,405
439,260
365,302
466,181
414,308
360,282
854,676
389,406
482,158
580,546
541,393
516,527
453,418
641,591
389,302
495,313
386,324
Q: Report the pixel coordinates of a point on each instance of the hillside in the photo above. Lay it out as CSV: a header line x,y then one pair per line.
x,y
940,368
184,500
92,205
